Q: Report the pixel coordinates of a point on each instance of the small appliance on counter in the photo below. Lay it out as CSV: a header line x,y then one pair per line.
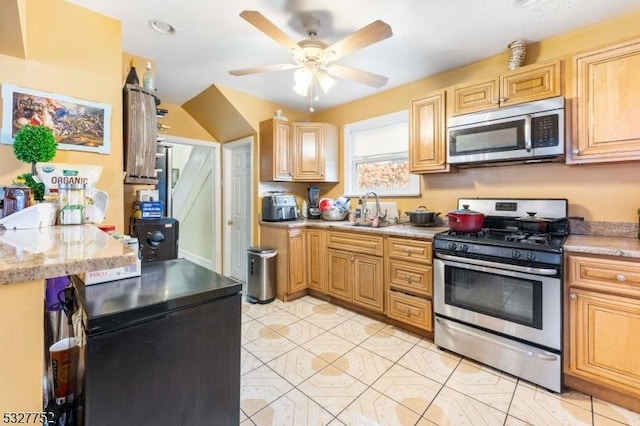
x,y
158,238
278,207
314,202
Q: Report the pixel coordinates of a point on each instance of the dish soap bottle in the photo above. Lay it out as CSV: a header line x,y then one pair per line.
x,y
149,79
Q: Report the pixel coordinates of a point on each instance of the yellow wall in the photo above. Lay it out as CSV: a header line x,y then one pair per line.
x,y
74,52
604,192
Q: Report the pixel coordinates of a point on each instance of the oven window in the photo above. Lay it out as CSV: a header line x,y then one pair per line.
x,y
512,299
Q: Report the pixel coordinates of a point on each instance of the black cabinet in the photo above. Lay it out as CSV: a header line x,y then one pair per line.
x,y
169,355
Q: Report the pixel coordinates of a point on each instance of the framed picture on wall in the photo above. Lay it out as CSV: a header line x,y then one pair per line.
x,y
76,124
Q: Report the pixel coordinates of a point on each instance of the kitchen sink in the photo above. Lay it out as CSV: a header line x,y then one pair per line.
x,y
368,224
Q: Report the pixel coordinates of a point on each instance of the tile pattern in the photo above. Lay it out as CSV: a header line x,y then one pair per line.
x,y
309,362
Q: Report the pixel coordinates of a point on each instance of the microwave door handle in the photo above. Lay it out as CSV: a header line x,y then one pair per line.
x,y
527,132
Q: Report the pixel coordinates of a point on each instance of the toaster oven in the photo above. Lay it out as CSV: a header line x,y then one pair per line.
x,y
279,208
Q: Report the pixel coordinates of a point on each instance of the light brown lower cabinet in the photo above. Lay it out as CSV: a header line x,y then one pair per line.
x,y
316,266
355,267
602,328
415,311
409,281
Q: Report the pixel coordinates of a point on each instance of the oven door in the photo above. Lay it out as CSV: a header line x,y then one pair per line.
x,y
516,304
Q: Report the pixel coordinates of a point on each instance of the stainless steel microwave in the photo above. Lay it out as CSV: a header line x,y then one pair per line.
x,y
529,132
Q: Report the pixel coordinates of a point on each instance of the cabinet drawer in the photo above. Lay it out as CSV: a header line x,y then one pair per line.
x,y
359,243
609,275
411,277
413,250
410,309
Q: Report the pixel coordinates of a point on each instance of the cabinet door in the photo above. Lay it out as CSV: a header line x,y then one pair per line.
x,y
308,156
530,83
603,339
340,279
476,96
427,141
368,282
297,252
606,110
316,259
275,150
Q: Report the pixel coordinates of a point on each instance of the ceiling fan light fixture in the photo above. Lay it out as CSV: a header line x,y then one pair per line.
x,y
325,80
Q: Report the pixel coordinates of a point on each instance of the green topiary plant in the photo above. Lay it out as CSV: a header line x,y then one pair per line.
x,y
34,144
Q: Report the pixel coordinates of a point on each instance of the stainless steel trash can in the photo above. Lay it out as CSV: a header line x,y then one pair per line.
x,y
261,274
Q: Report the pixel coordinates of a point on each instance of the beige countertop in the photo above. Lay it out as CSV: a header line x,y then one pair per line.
x,y
595,244
33,254
400,230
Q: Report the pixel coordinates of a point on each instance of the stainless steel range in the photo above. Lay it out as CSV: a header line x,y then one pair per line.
x,y
498,292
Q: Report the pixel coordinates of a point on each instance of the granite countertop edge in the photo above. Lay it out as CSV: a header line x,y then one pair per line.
x,y
399,230
56,251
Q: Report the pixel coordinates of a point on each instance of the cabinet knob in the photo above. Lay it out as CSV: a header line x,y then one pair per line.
x,y
408,251
352,258
573,296
575,152
620,277
408,312
407,277
502,100
230,222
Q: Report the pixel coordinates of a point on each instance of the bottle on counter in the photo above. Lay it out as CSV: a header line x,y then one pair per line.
x,y
132,77
16,197
359,210
70,204
149,79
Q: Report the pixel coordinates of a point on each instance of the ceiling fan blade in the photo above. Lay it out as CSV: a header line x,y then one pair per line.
x,y
364,77
263,68
372,33
258,20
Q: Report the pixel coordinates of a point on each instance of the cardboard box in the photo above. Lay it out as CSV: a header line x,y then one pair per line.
x,y
133,270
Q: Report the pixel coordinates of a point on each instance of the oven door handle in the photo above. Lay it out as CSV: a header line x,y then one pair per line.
x,y
544,356
510,267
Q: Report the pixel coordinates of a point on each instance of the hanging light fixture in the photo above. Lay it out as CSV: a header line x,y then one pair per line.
x,y
306,76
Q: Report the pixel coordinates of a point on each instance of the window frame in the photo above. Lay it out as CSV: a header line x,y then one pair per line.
x,y
351,162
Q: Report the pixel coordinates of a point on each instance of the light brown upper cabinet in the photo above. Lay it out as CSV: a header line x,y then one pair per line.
x,y
275,150
529,83
315,152
305,152
427,134
607,105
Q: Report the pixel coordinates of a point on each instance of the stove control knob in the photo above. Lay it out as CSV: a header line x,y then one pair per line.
x,y
531,255
453,246
516,254
464,248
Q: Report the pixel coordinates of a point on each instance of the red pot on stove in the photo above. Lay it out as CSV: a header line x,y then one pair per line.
x,y
465,220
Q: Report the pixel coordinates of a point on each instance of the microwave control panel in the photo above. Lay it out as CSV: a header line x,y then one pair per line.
x,y
545,131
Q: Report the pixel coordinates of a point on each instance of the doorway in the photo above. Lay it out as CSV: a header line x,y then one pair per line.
x,y
197,200
238,196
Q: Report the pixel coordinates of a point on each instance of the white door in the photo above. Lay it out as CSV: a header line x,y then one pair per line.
x,y
237,201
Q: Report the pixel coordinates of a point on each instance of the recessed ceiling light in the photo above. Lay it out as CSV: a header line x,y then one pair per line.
x,y
162,27
524,3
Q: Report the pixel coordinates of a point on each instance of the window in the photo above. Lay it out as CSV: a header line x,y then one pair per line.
x,y
376,153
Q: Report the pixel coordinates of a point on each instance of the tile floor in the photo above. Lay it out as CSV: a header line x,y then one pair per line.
x,y
308,362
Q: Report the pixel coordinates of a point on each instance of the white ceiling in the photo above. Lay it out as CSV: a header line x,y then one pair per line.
x,y
428,37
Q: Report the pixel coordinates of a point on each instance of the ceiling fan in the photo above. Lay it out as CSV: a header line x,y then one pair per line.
x,y
313,58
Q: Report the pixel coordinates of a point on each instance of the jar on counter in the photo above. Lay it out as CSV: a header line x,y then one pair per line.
x,y
70,203
16,197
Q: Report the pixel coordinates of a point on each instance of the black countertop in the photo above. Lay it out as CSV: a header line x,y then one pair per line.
x,y
162,288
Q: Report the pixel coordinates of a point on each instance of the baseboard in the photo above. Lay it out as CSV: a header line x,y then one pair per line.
x,y
198,260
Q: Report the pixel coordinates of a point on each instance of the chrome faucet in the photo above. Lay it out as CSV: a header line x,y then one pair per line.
x,y
365,214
